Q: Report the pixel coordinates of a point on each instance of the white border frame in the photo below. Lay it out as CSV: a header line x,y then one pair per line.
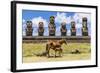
x,y
21,66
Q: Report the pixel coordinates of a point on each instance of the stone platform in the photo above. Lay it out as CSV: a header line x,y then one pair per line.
x,y
73,39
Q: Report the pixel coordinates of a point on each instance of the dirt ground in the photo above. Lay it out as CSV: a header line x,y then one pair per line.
x,y
31,50
66,57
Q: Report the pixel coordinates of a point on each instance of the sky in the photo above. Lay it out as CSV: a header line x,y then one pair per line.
x,y
43,16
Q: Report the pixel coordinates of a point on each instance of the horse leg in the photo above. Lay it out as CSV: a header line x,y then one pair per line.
x,y
48,54
55,53
60,52
47,50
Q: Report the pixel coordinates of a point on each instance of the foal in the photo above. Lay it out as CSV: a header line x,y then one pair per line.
x,y
55,45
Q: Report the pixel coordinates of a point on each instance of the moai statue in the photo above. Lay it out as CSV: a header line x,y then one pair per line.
x,y
73,29
84,28
29,28
52,27
63,29
41,29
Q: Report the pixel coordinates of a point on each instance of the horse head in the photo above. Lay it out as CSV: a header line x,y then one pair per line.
x,y
64,41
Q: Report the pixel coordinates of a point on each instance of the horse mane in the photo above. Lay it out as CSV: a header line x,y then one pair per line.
x,y
51,42
62,41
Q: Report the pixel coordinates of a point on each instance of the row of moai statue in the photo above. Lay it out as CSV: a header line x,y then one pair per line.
x,y
52,28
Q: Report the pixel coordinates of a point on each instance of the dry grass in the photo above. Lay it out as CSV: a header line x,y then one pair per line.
x,y
29,49
66,57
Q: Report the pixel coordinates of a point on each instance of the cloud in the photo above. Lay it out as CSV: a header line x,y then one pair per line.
x,y
23,21
78,32
59,18
68,32
35,31
36,21
46,32
78,25
62,17
24,33
23,27
89,31
78,17
58,33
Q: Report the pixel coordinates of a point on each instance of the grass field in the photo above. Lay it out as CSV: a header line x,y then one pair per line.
x,y
30,49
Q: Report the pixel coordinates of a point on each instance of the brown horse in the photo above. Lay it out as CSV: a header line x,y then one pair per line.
x,y
55,45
